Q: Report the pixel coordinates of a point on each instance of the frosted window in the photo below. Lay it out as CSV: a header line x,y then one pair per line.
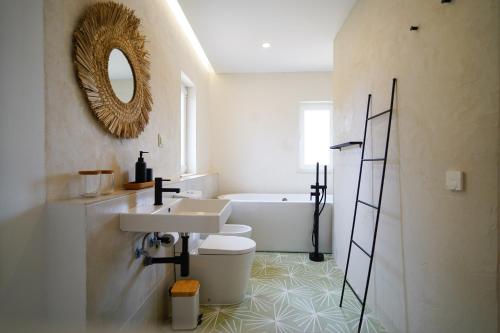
x,y
316,134
187,126
184,96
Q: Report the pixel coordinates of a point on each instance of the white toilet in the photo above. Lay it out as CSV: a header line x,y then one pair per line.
x,y
222,262
223,265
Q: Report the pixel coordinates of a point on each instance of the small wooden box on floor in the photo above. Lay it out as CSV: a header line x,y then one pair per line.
x,y
185,304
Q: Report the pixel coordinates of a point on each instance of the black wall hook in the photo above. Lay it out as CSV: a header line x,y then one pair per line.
x,y
446,1
413,28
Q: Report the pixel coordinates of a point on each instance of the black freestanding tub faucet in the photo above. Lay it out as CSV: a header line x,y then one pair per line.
x,y
319,194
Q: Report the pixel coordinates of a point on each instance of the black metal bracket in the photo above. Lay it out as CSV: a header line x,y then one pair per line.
x,y
347,144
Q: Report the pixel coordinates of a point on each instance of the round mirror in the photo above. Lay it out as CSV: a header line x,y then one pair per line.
x,y
121,76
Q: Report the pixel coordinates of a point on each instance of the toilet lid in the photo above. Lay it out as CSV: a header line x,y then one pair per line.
x,y
218,244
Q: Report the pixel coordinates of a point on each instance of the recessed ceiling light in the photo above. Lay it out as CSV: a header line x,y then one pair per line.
x,y
266,45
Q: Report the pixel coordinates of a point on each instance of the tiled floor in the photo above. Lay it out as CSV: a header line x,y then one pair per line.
x,y
289,293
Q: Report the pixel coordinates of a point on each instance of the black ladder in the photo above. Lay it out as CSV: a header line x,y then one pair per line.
x,y
377,208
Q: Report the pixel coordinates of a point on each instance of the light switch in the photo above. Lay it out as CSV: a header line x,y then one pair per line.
x,y
160,141
454,180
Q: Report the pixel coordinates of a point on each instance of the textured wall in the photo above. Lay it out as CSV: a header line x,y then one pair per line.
x,y
75,140
255,129
436,257
22,162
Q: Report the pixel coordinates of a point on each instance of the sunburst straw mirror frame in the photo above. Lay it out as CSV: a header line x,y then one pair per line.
x,y
106,26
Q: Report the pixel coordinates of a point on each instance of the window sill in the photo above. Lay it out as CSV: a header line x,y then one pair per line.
x,y
188,175
313,170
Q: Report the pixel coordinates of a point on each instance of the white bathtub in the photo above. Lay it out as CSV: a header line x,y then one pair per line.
x,y
281,222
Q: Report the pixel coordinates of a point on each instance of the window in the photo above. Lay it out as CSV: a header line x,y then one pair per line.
x,y
184,97
315,134
188,126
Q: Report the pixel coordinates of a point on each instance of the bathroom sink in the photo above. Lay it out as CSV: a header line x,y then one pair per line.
x,y
178,215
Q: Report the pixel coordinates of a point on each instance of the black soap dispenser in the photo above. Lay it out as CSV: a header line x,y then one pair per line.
x,y
140,168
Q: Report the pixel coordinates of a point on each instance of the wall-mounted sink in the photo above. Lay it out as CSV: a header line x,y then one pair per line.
x,y
178,215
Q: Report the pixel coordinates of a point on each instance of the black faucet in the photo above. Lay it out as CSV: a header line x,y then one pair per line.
x,y
159,190
317,188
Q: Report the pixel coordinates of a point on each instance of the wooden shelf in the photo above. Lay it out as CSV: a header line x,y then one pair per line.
x,y
138,186
347,144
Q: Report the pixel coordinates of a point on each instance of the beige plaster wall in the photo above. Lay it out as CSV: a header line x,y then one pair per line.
x,y
255,129
436,257
118,288
76,141
22,163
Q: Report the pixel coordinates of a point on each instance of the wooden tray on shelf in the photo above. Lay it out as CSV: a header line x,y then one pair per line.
x,y
138,186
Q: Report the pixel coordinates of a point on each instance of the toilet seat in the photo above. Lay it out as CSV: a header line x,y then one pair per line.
x,y
219,244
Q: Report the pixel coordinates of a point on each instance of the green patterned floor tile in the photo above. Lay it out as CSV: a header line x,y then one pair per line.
x,y
289,293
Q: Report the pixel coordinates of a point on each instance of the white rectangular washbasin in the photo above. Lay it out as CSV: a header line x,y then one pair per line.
x,y
178,215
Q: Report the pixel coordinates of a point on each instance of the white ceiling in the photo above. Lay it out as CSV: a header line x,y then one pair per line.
x,y
301,33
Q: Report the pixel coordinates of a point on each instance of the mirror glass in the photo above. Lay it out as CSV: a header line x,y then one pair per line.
x,y
121,76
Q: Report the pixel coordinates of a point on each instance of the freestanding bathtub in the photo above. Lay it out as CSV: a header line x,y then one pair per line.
x,y
281,222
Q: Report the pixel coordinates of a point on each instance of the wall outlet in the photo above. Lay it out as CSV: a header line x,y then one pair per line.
x,y
160,141
454,180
